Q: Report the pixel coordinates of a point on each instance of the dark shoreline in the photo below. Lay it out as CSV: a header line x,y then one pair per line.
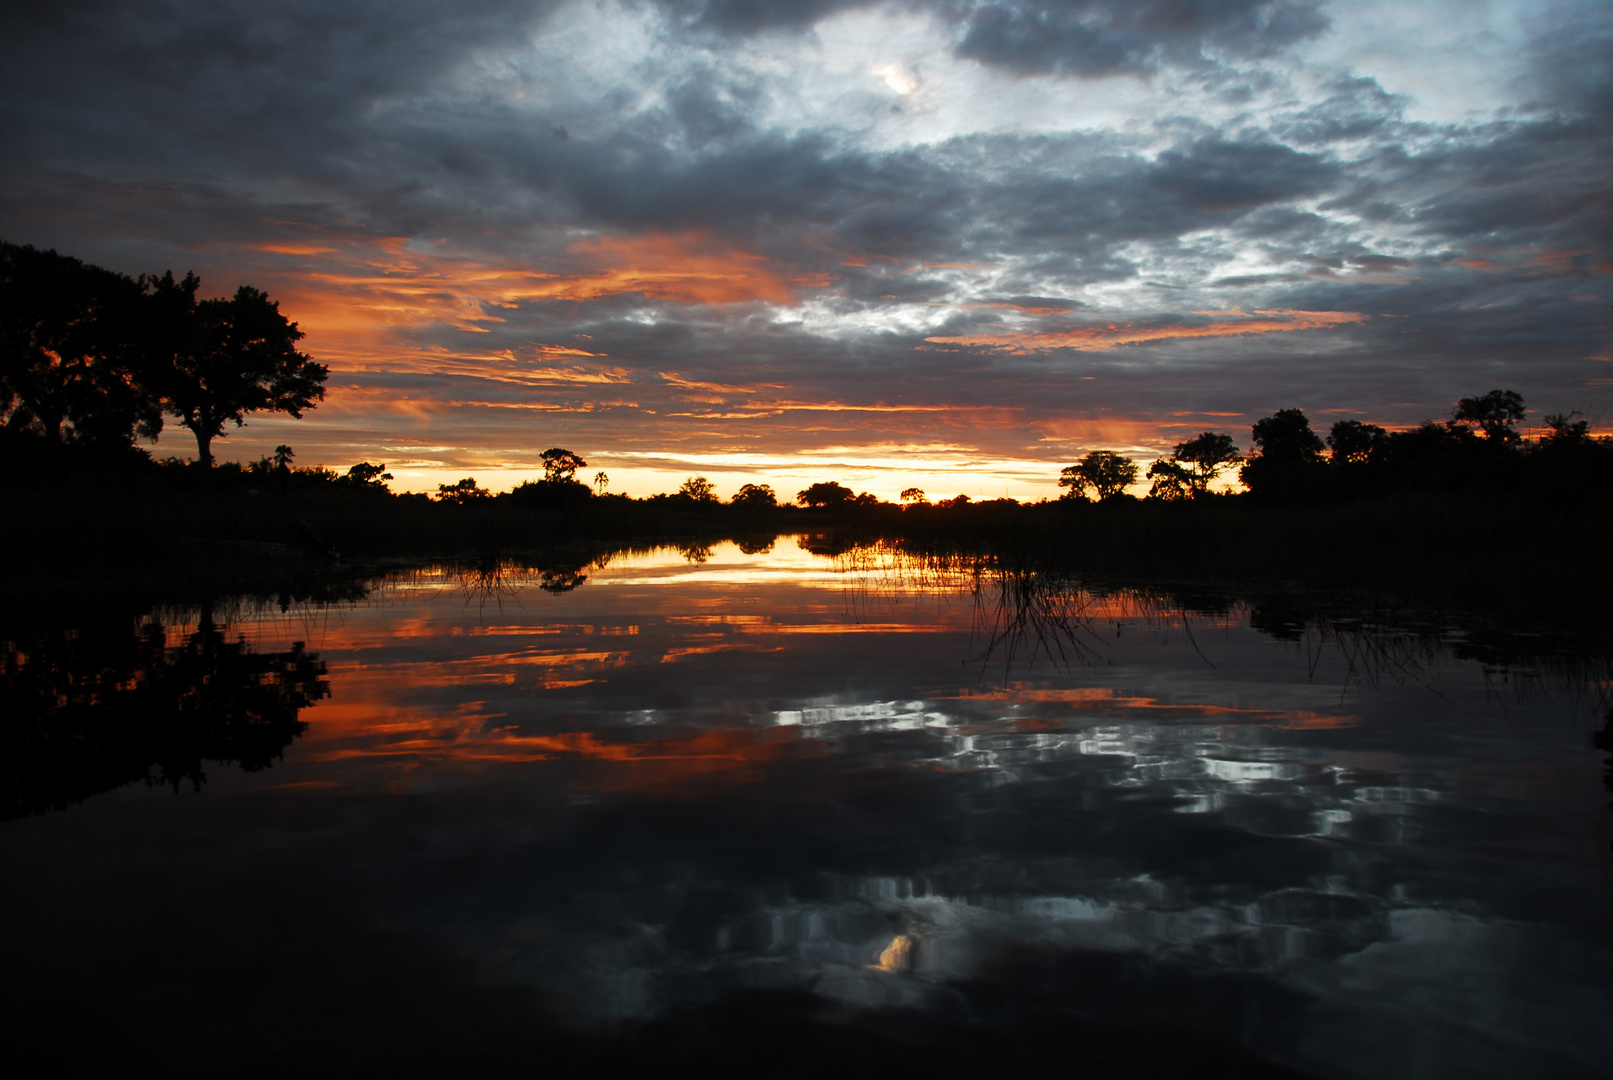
x,y
1521,567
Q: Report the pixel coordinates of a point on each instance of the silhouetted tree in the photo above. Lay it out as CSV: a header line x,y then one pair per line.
x,y
464,492
1494,414
1205,455
825,494
1287,454
218,360
1569,462
914,497
1173,481
72,367
1107,473
365,475
698,490
1355,443
755,495
282,466
1562,428
561,464
559,489
601,481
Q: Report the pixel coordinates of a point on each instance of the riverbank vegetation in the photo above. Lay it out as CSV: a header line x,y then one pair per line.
x,y
1512,527
1469,510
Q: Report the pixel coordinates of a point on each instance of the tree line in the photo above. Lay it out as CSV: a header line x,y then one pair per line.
x,y
94,359
97,359
1480,445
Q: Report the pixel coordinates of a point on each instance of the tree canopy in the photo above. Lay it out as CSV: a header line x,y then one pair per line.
x,y
560,464
1172,481
755,495
1494,414
698,490
72,367
825,493
1198,461
1107,473
1355,442
1286,454
1191,468
463,492
222,359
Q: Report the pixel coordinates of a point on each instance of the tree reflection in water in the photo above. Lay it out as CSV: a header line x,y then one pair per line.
x,y
87,712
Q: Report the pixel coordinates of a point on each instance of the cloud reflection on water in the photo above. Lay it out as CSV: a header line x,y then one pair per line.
x,y
785,773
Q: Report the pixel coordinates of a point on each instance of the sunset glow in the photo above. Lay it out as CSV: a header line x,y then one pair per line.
x,y
771,248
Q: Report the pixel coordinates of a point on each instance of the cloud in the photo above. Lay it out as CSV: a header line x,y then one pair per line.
x,y
754,16
1092,38
1109,336
1024,253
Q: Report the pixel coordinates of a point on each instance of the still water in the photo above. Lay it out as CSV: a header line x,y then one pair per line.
x,y
775,812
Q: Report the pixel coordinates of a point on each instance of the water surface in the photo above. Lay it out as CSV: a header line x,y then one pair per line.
x,y
779,811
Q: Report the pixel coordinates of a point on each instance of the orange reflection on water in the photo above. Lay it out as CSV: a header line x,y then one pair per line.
x,y
431,681
424,743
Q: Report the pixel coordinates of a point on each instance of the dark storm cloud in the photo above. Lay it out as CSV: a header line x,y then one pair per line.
x,y
243,77
698,161
752,16
147,135
1106,37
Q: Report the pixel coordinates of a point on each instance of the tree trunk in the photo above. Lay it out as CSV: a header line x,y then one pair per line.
x,y
204,449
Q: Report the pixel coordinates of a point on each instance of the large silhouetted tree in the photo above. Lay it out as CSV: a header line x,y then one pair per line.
x,y
560,464
1107,473
1204,456
698,490
1286,455
825,493
755,495
559,489
222,359
1494,414
1354,442
71,360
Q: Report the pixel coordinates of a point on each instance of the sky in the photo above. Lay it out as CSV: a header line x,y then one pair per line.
x,y
951,245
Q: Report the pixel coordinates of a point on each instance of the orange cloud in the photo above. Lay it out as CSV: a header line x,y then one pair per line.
x,y
673,379
686,269
1555,261
1096,338
347,293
